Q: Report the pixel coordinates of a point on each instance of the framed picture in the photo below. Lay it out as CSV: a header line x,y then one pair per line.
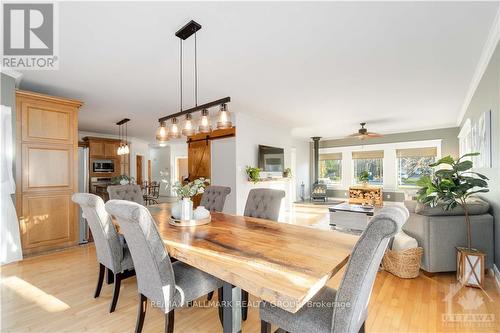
x,y
476,137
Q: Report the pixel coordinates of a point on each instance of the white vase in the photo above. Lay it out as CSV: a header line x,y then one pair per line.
x,y
186,209
123,182
176,210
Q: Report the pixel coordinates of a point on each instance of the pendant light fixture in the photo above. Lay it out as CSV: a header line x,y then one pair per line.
x,y
224,120
188,129
205,122
123,149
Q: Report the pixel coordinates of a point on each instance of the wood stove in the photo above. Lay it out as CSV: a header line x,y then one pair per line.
x,y
318,192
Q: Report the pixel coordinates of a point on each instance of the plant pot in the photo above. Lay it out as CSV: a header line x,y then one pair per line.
x,y
470,267
123,182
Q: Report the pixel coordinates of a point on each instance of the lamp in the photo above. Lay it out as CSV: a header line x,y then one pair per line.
x,y
204,122
174,132
161,133
188,129
224,117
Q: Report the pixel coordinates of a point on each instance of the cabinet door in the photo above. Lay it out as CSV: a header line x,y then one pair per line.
x,y
47,221
47,122
96,148
110,149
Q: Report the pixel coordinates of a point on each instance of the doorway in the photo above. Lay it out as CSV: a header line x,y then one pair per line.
x,y
138,169
181,169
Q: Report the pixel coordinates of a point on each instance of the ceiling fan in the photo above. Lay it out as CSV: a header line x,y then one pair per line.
x,y
364,134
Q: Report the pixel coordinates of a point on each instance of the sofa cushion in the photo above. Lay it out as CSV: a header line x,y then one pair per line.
x,y
477,206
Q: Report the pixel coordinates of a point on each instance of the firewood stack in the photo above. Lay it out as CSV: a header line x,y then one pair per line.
x,y
365,194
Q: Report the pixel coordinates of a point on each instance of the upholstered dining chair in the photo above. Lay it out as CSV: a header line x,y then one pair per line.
x,y
214,197
112,252
344,310
264,203
168,286
130,192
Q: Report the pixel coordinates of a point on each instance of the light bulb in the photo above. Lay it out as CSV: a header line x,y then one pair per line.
x,y
224,117
161,133
188,126
126,150
174,130
204,122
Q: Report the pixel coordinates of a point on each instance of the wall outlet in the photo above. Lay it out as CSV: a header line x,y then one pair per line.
x,y
388,196
345,194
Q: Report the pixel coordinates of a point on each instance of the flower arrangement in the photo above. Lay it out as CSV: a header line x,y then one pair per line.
x,y
122,179
191,189
364,177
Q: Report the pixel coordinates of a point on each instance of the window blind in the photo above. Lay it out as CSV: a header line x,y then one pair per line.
x,y
331,156
366,155
417,152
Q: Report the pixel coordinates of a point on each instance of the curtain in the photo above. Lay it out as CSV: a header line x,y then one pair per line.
x,y
417,152
10,243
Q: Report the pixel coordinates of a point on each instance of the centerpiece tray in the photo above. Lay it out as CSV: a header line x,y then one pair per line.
x,y
188,223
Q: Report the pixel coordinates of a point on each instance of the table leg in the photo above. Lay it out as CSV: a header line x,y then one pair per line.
x,y
231,301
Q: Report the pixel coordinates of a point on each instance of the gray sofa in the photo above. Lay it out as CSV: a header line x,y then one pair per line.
x,y
439,232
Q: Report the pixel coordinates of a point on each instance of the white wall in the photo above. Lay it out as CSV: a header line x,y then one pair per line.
x,y
223,157
252,132
137,147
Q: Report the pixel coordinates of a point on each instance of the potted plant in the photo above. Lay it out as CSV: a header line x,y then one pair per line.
x,y
364,177
120,180
184,208
253,174
287,173
450,187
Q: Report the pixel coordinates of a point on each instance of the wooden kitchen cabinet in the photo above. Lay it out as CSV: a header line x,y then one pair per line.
x,y
46,171
111,149
96,149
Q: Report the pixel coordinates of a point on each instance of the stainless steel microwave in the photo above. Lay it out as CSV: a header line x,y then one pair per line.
x,y
103,166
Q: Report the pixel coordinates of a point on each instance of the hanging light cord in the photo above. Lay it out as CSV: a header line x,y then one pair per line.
x,y
195,71
181,72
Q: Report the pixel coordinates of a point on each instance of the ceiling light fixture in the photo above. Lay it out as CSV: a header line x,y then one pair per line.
x,y
123,149
224,120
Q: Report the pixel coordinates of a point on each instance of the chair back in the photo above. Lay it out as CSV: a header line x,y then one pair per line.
x,y
130,192
155,190
108,248
264,203
153,268
356,286
214,197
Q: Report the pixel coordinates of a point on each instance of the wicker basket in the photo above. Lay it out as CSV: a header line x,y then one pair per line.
x,y
404,264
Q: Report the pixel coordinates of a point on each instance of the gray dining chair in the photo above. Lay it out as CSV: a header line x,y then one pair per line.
x,y
263,203
167,285
130,192
214,197
344,310
112,252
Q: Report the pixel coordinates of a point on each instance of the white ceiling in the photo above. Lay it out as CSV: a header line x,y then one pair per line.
x,y
319,68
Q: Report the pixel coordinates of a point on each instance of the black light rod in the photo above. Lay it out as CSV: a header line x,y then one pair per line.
x,y
123,121
196,108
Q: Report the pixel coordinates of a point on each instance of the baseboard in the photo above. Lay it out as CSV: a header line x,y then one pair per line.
x,y
496,274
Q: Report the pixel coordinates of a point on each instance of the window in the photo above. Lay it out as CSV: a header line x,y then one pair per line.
x,y
370,161
413,164
330,168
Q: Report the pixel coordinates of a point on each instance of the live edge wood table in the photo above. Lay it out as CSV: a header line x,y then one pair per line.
x,y
280,263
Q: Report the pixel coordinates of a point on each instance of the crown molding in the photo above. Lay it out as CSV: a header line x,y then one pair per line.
x,y
486,54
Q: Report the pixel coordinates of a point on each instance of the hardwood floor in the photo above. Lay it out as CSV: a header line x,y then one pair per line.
x,y
54,293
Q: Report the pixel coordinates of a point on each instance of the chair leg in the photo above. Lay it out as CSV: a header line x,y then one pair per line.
x,y
210,295
110,277
362,328
141,313
220,308
100,280
116,292
265,327
244,305
169,322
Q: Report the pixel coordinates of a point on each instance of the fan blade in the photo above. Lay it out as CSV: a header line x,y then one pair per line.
x,y
374,135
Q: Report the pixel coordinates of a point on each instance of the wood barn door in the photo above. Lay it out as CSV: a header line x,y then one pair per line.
x,y
199,163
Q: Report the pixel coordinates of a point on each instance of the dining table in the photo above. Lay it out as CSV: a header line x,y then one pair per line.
x,y
283,264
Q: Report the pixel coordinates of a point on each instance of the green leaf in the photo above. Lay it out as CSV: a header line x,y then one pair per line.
x,y
477,174
463,166
445,160
444,173
469,155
